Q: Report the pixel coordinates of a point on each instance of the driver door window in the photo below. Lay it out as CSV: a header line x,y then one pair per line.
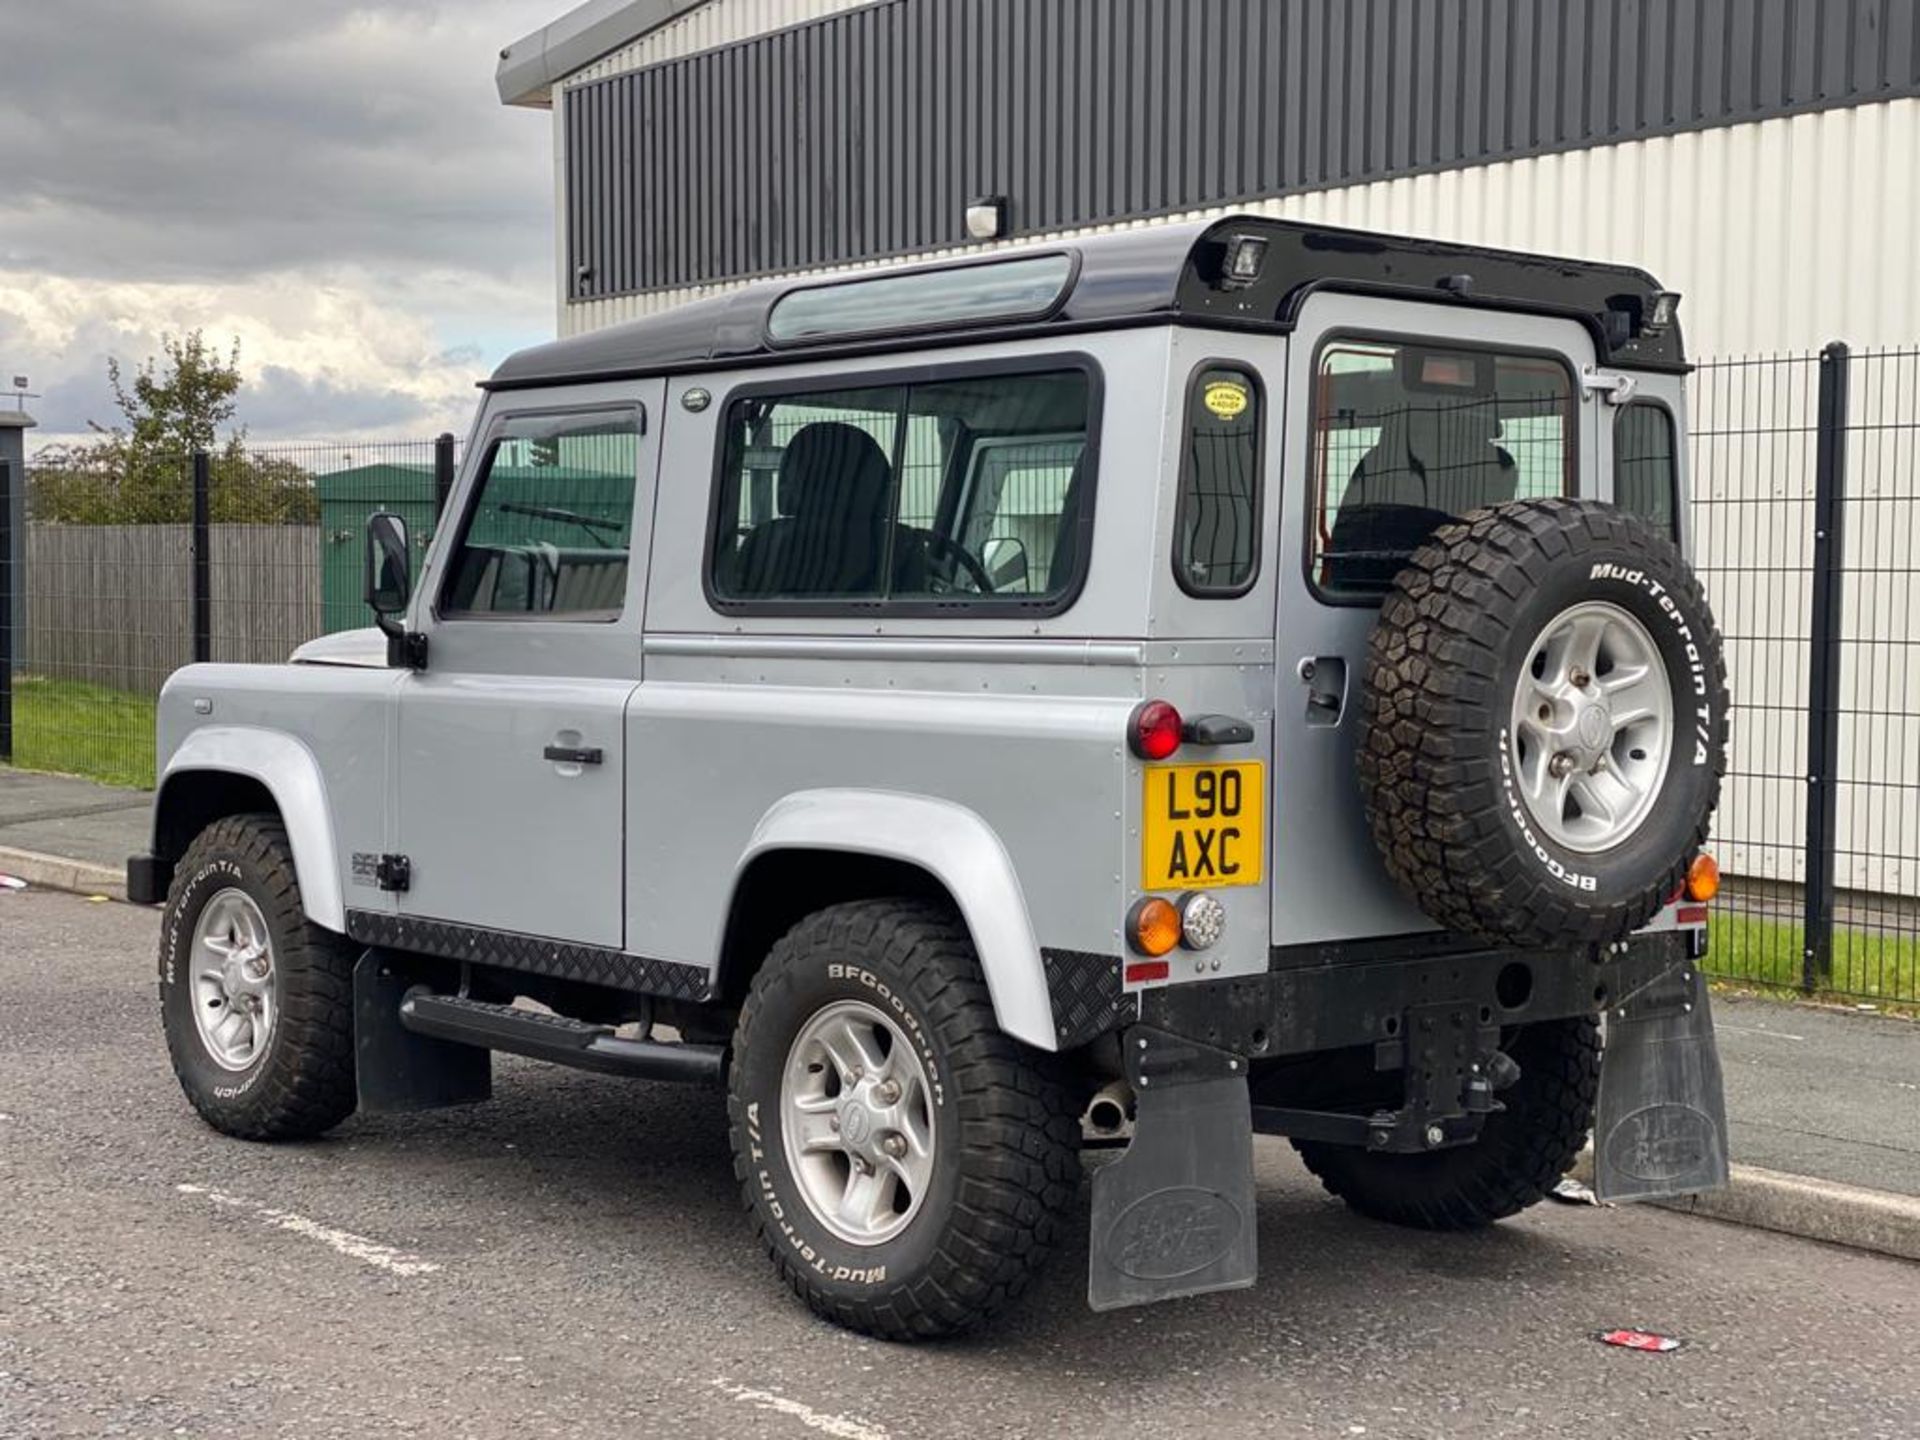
x,y
547,534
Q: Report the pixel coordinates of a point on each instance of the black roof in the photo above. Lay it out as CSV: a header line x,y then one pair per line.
x,y
1164,274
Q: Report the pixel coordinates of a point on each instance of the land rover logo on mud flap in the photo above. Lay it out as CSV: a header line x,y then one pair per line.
x,y
1172,1233
1224,399
1661,1143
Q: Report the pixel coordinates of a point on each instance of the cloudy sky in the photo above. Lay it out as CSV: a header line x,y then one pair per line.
x,y
335,184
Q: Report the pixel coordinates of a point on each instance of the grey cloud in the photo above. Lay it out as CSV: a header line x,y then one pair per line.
x,y
279,402
205,138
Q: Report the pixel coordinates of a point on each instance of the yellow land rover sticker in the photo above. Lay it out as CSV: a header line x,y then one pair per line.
x,y
1224,398
1203,826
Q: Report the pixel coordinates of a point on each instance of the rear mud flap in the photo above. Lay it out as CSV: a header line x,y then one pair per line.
x,y
1174,1216
1661,1128
397,1070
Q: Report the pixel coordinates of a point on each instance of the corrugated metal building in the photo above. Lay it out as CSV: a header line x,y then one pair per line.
x,y
1761,156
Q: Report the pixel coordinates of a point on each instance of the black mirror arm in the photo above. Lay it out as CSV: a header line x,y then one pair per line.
x,y
406,649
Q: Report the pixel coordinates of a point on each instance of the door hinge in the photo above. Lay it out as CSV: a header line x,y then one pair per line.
x,y
393,872
1617,388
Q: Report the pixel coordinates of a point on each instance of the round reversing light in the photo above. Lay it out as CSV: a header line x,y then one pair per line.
x,y
1203,920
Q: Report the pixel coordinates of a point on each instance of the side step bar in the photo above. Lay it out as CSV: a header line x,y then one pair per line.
x,y
554,1037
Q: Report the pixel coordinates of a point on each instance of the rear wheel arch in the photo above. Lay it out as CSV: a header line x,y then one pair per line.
x,y
825,847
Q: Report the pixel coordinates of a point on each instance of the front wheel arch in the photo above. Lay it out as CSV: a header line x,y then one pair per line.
x,y
227,770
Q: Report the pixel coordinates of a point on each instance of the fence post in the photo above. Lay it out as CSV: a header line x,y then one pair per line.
x,y
442,476
202,558
6,610
1823,667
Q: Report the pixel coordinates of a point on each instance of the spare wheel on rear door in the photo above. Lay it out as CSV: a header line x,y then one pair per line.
x,y
1544,723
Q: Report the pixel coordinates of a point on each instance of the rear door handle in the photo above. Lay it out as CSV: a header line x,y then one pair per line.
x,y
574,754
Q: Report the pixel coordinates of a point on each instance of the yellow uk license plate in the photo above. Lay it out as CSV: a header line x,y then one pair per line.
x,y
1205,826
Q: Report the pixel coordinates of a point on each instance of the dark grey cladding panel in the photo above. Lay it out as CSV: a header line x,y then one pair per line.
x,y
864,134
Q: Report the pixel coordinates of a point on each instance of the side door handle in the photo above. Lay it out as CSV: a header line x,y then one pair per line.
x,y
574,754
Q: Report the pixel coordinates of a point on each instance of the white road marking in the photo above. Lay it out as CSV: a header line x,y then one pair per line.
x,y
1750,1030
354,1247
841,1427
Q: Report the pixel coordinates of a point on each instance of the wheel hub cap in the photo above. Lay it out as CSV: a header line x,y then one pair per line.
x,y
1592,727
231,955
856,1118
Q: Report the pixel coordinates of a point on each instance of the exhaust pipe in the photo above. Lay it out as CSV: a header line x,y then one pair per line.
x,y
1110,1109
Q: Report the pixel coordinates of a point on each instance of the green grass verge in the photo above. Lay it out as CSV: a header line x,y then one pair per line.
x,y
1749,950
73,728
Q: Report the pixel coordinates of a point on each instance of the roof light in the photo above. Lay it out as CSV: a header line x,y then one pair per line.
x,y
1153,730
1245,255
1662,313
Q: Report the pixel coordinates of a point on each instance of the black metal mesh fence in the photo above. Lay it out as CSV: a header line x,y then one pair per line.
x,y
1805,512
133,565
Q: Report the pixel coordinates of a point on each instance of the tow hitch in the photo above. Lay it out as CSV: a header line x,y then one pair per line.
x,y
1450,1056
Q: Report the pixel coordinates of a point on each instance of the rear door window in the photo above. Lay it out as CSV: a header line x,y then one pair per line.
x,y
1408,435
1646,477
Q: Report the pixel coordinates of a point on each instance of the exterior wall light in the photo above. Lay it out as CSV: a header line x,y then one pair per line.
x,y
987,218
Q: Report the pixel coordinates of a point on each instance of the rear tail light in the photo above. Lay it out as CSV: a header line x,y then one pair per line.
x,y
1153,928
1153,730
1703,879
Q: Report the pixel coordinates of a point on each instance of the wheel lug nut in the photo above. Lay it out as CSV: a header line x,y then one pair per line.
x,y
1560,766
833,1123
887,1092
895,1145
1581,679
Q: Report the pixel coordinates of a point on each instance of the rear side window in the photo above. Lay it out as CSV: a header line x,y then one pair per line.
x,y
1407,436
1216,520
1646,477
962,491
546,536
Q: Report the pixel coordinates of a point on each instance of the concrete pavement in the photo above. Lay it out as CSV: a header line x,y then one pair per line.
x,y
67,832
572,1259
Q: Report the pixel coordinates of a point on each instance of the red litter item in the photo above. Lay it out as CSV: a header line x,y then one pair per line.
x,y
1639,1340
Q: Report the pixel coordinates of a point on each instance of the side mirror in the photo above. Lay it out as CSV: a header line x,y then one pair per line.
x,y
390,586
389,565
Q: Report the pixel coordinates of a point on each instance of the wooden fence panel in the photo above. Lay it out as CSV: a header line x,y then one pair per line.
x,y
111,604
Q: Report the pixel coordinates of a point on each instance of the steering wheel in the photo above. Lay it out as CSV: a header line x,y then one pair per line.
x,y
963,558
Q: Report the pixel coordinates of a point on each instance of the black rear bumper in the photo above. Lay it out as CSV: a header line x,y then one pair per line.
x,y
1302,1009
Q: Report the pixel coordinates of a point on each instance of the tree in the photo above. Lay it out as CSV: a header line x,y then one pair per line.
x,y
139,472
171,413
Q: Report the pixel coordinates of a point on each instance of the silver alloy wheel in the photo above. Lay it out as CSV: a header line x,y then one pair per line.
x,y
234,1007
1592,727
856,1118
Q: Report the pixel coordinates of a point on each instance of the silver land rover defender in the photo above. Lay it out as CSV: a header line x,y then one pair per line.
x,y
1160,688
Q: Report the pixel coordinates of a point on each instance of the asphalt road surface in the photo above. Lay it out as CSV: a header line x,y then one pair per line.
x,y
572,1260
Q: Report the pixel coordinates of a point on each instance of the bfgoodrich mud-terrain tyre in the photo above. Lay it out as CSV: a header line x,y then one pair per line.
x,y
257,1003
1544,723
907,1165
1521,1153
